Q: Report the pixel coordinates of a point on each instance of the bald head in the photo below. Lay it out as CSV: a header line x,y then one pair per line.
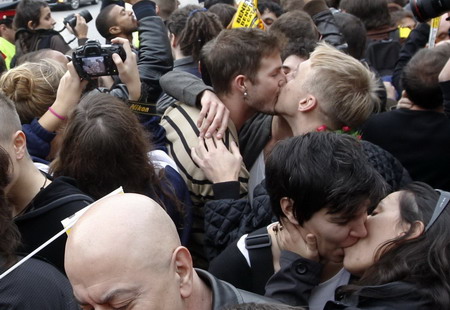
x,y
126,229
123,251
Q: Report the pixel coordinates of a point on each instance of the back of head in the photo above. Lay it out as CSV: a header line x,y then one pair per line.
x,y
105,21
32,86
124,231
234,52
225,12
9,119
166,7
28,10
354,33
193,27
424,258
104,147
210,3
41,54
9,234
373,13
420,76
322,170
344,87
295,26
292,5
300,48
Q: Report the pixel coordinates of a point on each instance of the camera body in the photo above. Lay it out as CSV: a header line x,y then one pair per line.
x,y
425,10
93,59
71,19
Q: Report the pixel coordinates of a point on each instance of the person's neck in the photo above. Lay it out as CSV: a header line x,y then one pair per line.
x,y
201,297
177,53
27,186
301,123
240,112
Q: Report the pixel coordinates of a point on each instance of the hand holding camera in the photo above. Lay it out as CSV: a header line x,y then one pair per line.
x,y
77,23
93,60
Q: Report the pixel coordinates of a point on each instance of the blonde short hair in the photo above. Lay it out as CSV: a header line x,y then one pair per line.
x,y
345,88
32,87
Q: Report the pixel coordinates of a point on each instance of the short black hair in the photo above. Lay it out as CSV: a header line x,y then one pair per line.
x,y
271,6
322,170
420,76
104,21
210,3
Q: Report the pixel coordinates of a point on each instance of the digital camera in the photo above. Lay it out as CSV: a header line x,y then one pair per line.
x,y
93,59
71,19
424,10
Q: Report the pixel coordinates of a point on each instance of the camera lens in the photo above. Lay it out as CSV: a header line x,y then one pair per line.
x,y
72,19
425,10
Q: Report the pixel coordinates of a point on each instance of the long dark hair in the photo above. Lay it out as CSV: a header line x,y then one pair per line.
x,y
9,234
104,146
422,261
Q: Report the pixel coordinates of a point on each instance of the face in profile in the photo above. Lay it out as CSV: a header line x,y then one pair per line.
x,y
383,225
46,20
294,91
333,232
124,19
264,90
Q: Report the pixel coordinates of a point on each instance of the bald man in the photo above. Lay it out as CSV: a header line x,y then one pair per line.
x,y
124,252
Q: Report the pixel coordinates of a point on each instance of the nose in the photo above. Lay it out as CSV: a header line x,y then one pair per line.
x,y
359,229
282,80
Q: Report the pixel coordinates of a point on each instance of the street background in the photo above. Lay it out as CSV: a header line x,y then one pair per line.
x,y
59,15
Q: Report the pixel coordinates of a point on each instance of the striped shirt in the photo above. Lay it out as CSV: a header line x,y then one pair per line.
x,y
179,121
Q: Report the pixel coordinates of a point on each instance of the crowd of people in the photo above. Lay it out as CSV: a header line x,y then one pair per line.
x,y
300,166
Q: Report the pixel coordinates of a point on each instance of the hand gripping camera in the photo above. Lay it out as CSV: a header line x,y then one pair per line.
x,y
93,59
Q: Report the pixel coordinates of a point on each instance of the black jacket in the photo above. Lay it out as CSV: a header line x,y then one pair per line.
x,y
154,56
298,276
42,219
225,294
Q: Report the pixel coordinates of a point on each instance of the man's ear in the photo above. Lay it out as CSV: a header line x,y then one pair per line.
x,y
157,10
184,269
287,206
239,83
114,30
20,144
307,104
173,40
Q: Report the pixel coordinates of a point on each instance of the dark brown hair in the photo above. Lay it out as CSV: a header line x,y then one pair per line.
x,y
423,261
104,146
234,52
9,234
193,27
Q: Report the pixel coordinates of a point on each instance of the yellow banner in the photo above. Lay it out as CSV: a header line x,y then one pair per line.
x,y
247,15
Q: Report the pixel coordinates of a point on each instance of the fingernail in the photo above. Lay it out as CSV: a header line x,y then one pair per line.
x,y
208,135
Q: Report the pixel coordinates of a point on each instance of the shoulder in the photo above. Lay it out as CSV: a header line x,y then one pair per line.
x,y
36,285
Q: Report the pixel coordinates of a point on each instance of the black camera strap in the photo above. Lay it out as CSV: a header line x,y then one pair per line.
x,y
144,108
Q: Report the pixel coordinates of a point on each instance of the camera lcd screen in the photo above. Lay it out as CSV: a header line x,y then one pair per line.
x,y
94,66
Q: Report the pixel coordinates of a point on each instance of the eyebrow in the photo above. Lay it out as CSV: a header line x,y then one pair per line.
x,y
114,293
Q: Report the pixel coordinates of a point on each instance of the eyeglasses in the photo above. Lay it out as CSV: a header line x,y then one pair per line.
x,y
442,203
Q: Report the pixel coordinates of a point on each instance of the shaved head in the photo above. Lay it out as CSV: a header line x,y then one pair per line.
x,y
117,250
128,220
